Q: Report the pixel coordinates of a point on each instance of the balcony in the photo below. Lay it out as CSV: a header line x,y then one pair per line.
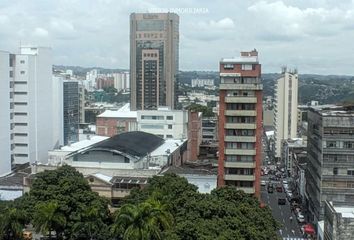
x,y
228,164
240,86
235,177
240,126
233,99
240,113
240,139
240,151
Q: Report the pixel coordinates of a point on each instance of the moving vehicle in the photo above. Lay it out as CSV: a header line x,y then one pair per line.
x,y
300,218
281,201
270,188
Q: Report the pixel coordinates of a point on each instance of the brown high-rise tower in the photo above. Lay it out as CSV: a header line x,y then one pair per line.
x,y
154,40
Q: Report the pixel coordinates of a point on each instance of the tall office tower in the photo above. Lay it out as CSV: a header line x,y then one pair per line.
x,y
6,87
285,114
71,111
330,167
28,76
154,40
81,102
240,123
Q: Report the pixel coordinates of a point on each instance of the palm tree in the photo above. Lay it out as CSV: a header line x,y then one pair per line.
x,y
12,222
91,224
48,218
144,221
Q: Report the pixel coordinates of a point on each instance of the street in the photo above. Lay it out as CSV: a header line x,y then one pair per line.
x,y
290,229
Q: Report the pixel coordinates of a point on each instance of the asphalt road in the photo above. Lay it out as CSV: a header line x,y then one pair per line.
x,y
289,229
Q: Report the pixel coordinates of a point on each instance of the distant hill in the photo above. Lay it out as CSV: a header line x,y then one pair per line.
x,y
322,88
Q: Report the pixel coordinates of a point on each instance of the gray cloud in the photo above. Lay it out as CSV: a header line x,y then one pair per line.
x,y
313,35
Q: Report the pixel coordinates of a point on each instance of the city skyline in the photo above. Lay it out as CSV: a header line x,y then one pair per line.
x,y
314,36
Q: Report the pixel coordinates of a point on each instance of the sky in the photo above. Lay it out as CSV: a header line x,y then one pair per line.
x,y
314,36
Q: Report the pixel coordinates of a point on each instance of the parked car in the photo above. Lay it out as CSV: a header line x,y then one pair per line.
x,y
281,201
279,188
263,183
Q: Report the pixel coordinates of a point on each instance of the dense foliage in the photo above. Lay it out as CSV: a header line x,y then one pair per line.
x,y
226,213
207,111
61,203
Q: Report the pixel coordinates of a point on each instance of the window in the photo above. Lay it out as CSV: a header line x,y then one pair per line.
x,y
21,134
335,171
20,114
246,66
22,72
21,155
151,126
331,144
11,74
22,61
21,144
350,172
169,136
169,117
228,66
169,126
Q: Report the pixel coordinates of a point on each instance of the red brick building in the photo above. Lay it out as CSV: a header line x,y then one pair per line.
x,y
194,135
240,123
110,123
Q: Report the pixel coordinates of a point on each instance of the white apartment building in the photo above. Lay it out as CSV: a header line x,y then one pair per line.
x,y
202,82
285,114
164,122
121,81
91,79
5,124
30,105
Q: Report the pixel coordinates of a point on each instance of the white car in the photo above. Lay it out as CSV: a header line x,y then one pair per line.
x,y
300,218
285,182
263,183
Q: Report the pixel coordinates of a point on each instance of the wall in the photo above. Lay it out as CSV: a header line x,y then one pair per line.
x,y
5,146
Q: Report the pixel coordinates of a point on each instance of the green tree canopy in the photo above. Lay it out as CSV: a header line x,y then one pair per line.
x,y
226,213
207,111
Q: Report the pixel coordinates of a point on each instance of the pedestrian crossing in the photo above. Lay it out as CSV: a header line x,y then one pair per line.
x,y
293,238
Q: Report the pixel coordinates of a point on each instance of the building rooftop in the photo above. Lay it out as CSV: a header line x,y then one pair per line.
x,y
133,143
334,110
169,146
123,112
82,144
242,59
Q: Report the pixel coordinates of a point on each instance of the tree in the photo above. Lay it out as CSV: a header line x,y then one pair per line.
x,y
12,222
71,191
144,221
207,111
91,225
226,213
48,218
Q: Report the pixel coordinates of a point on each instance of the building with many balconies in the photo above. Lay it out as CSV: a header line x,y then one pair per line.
x,y
240,122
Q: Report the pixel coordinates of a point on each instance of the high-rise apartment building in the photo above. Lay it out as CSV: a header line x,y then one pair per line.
x,y
240,123
6,106
154,40
285,114
26,80
330,167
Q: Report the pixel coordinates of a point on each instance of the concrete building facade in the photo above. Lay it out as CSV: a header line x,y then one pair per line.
x,y
164,123
240,123
285,112
154,40
330,167
6,115
71,116
338,221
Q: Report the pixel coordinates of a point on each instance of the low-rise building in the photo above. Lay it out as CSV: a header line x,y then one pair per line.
x,y
113,122
338,221
130,155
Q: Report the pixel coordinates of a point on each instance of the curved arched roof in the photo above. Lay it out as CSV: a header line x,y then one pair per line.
x,y
133,143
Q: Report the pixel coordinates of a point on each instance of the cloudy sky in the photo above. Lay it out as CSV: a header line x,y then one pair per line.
x,y
316,36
